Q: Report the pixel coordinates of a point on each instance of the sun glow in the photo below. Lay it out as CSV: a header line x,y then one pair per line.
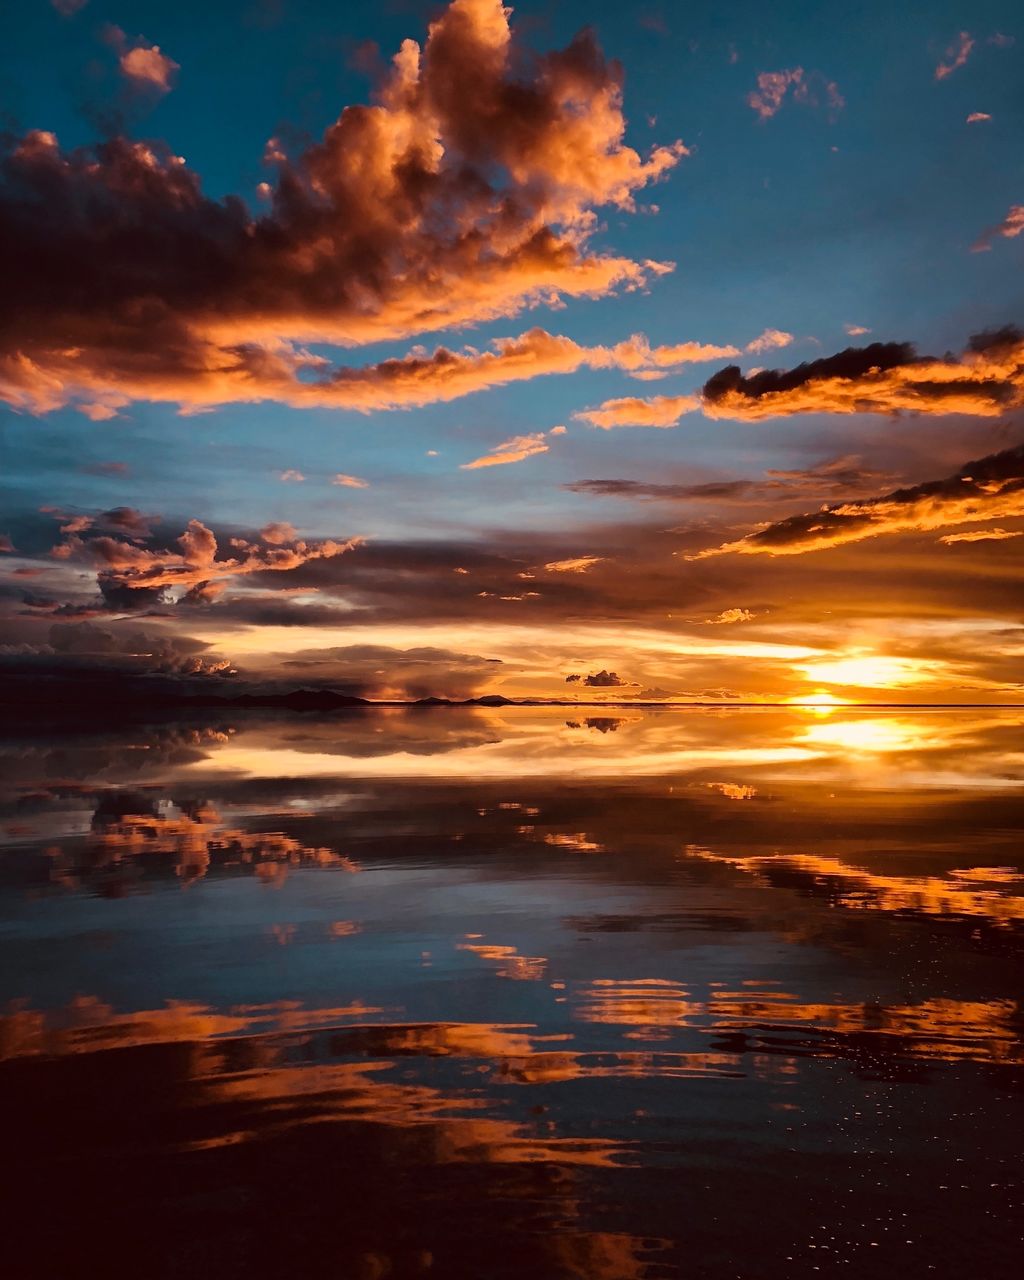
x,y
864,670
869,737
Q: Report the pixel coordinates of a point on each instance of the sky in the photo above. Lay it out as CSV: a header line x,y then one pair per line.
x,y
653,353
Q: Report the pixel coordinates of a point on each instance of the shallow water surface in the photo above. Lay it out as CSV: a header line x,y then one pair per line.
x,y
544,992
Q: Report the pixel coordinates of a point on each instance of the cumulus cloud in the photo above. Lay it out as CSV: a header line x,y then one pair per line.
x,y
978,117
955,56
143,65
884,377
990,489
291,476
855,330
810,88
639,411
770,340
350,482
1010,227
599,680
466,191
133,575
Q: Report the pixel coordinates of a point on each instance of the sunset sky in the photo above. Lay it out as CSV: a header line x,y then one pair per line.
x,y
413,350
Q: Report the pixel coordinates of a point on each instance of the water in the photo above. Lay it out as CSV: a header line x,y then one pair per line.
x,y
512,993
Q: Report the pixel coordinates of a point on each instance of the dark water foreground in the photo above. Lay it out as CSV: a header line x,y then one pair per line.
x,y
471,994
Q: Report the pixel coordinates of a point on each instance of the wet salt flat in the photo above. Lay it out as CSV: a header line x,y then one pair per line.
x,y
476,993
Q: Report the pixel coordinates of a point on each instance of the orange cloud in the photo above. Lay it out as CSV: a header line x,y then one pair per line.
x,y
516,449
884,377
149,65
128,567
728,616
466,191
274,372
580,564
977,117
989,489
636,411
982,535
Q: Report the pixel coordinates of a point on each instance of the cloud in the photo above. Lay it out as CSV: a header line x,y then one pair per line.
x,y
977,117
106,469
381,672
991,488
843,475
637,411
350,482
278,533
982,535
66,8
146,70
955,56
884,377
770,340
810,88
6,545
1010,227
465,192
855,330
729,616
291,476
515,449
279,371
578,564
772,87
131,575
123,520
605,680
146,65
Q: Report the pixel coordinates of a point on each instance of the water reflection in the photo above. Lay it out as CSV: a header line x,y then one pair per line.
x,y
480,993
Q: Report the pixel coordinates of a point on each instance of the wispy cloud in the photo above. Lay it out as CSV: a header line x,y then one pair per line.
x,y
991,488
810,88
955,56
516,449
1010,227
